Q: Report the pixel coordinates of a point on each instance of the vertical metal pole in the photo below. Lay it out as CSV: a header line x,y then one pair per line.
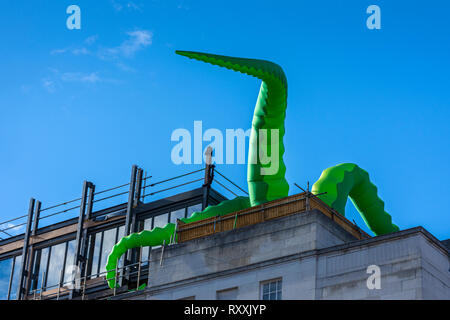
x,y
128,219
84,284
78,242
115,277
145,186
85,237
307,202
209,174
130,200
138,189
139,272
26,241
31,276
308,196
162,252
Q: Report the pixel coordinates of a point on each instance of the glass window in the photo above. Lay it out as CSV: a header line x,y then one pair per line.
x,y
69,262
50,262
194,208
109,240
145,251
5,274
271,290
42,265
161,220
56,264
15,279
177,214
120,235
96,254
104,241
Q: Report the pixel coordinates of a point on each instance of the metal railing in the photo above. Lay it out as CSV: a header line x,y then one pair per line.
x,y
68,209
88,281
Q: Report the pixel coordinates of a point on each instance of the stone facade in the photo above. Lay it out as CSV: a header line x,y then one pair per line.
x,y
313,256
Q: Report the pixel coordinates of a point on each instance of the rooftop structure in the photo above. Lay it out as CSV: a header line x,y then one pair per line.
x,y
291,248
72,240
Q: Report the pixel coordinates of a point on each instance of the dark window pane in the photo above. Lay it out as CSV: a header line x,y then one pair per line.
x,y
273,286
266,288
120,235
56,264
15,279
279,285
69,271
5,273
194,208
96,254
177,214
42,266
109,240
161,220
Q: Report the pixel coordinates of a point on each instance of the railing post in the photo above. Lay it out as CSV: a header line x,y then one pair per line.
x,y
84,283
139,272
85,238
209,176
162,253
80,259
115,277
31,275
129,218
137,195
144,189
23,267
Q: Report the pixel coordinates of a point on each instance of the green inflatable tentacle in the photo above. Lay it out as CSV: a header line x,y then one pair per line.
x,y
135,240
266,181
157,236
348,180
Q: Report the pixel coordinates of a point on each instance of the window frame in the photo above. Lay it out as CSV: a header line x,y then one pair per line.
x,y
276,280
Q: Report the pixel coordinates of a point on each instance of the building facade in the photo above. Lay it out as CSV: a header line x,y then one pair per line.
x,y
291,248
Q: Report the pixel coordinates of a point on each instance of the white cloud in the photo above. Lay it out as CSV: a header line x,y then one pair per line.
x,y
49,85
136,41
57,79
81,77
80,51
130,5
91,40
58,51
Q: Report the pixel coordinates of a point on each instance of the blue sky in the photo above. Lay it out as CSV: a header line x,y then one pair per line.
x,y
89,103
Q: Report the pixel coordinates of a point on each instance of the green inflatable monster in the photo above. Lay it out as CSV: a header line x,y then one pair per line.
x,y
338,183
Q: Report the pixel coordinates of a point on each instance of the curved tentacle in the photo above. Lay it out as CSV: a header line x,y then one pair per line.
x,y
348,180
266,181
157,236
